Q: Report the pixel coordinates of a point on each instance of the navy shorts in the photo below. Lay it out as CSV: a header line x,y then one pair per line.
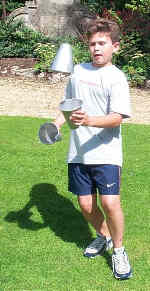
x,y
87,179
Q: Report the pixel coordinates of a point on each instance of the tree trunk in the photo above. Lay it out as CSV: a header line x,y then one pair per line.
x,y
4,9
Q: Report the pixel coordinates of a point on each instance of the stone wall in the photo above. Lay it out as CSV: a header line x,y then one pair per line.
x,y
48,16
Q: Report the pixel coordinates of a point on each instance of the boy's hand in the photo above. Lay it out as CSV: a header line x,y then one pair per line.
x,y
79,117
110,120
59,121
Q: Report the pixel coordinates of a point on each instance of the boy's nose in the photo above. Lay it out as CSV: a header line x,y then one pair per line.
x,y
96,46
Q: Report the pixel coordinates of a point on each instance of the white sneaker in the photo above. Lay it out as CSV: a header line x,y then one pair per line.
x,y
120,263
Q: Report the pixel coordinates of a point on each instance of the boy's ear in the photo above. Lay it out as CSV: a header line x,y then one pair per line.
x,y
116,46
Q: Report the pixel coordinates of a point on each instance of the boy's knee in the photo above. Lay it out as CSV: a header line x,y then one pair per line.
x,y
110,204
87,205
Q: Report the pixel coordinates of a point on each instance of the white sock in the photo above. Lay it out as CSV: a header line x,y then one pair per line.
x,y
108,238
119,250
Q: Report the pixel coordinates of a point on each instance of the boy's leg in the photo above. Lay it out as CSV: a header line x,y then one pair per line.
x,y
81,184
115,220
114,216
92,213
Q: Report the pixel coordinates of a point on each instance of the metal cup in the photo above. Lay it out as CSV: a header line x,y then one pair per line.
x,y
67,106
49,133
63,61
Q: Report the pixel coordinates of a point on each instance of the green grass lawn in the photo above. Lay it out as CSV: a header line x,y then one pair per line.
x,y
43,233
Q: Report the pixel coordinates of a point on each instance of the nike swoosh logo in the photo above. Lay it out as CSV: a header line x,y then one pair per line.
x,y
110,185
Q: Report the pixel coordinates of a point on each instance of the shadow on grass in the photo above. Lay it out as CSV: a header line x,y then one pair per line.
x,y
108,259
57,212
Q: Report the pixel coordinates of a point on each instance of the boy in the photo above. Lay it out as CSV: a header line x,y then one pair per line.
x,y
95,152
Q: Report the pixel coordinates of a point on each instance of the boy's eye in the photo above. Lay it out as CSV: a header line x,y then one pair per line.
x,y
92,43
101,43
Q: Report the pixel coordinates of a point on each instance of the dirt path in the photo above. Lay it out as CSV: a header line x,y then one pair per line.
x,y
40,99
29,98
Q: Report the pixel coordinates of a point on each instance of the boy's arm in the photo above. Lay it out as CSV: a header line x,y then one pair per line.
x,y
109,120
60,120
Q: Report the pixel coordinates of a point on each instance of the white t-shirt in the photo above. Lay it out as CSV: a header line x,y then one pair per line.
x,y
103,90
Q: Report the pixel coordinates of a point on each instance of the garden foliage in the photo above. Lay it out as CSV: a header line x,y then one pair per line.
x,y
10,5
133,57
16,40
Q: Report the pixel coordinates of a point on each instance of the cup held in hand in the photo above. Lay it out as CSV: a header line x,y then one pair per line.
x,y
69,105
49,133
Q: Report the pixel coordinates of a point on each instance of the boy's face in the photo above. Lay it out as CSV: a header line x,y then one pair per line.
x,y
102,49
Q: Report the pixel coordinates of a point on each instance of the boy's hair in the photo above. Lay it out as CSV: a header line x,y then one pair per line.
x,y
103,25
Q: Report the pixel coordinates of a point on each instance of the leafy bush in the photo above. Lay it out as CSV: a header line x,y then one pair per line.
x,y
45,54
96,6
136,66
135,75
129,47
132,60
132,22
16,40
138,69
133,56
11,5
80,51
138,5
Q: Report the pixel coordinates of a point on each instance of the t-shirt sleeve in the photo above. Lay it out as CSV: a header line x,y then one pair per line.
x,y
120,97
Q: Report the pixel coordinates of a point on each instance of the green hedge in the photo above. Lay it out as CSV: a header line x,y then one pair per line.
x,y
16,40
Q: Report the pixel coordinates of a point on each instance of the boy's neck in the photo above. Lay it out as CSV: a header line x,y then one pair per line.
x,y
101,66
